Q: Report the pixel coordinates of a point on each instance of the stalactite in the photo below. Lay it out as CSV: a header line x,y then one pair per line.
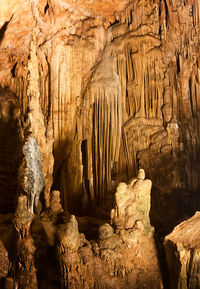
x,y
36,123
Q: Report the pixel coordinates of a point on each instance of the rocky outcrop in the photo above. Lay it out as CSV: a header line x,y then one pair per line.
x,y
132,204
182,249
124,254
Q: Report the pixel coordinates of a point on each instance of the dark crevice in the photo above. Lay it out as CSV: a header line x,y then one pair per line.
x,y
44,257
178,63
46,8
13,70
86,187
10,150
4,28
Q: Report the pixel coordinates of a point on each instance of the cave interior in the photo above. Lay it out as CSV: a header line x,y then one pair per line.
x,y
99,144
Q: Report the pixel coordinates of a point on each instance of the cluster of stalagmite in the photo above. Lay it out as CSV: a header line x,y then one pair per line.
x,y
124,254
121,255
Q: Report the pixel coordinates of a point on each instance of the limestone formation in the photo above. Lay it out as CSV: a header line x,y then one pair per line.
x,y
123,256
36,121
23,217
56,202
25,273
6,245
31,174
182,254
132,203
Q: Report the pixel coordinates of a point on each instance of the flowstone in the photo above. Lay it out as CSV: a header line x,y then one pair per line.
x,y
30,173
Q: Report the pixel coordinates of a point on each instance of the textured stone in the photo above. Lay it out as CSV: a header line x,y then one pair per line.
x,y
6,245
9,284
182,249
132,203
56,202
31,174
105,231
68,235
23,217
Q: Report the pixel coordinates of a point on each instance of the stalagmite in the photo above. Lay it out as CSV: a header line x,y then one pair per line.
x,y
122,246
25,275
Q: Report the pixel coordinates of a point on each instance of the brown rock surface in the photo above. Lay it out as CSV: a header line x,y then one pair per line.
x,y
182,249
6,234
120,258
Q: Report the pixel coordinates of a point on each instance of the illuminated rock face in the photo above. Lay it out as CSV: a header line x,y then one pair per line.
x,y
123,255
182,254
115,86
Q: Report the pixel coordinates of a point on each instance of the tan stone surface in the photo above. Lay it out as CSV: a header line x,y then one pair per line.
x,y
119,258
182,249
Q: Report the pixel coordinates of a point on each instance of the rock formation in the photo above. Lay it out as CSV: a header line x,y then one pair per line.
x,y
132,204
123,256
26,274
6,235
30,173
182,248
36,122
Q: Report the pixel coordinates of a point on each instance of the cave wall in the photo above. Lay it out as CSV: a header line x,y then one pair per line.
x,y
119,85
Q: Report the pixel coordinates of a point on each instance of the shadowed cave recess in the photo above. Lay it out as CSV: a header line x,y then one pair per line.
x,y
100,144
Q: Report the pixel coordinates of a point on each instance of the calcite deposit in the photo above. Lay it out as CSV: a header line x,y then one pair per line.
x,y
124,254
30,173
